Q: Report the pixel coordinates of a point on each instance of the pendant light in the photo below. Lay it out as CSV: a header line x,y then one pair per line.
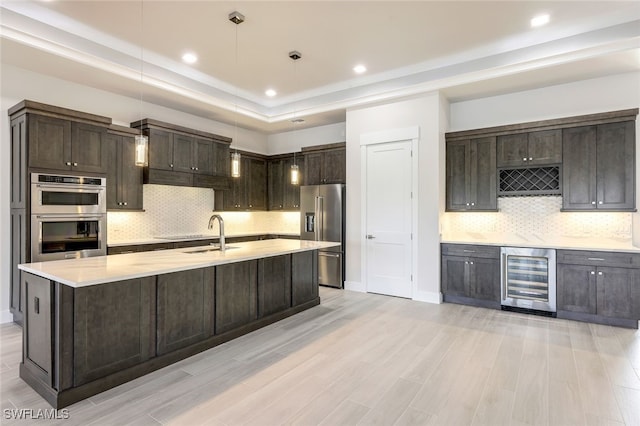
x,y
237,18
295,170
141,140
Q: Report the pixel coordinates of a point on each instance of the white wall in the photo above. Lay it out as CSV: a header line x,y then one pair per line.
x,y
426,112
282,143
18,84
611,93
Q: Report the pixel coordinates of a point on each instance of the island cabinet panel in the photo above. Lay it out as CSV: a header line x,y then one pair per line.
x,y
19,254
236,295
304,277
274,285
185,308
114,327
37,354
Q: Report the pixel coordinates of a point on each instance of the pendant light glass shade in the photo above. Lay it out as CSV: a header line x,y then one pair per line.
x,y
295,174
235,165
142,147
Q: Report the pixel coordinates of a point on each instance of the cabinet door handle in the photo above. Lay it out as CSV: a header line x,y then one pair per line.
x,y
595,258
466,262
599,202
469,251
470,263
473,204
68,163
370,237
250,205
524,159
530,158
124,204
593,272
593,202
75,164
196,168
36,305
467,204
601,273
171,165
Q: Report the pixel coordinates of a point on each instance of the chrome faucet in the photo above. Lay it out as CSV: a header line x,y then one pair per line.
x,y
221,229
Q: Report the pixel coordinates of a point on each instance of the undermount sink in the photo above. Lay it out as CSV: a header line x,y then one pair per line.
x,y
204,250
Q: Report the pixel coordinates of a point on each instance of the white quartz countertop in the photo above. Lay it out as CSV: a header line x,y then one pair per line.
x,y
542,241
117,242
104,269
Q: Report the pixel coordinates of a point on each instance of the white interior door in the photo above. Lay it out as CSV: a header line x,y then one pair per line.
x,y
388,218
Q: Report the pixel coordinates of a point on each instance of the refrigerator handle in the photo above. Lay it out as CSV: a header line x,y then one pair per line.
x,y
321,211
316,204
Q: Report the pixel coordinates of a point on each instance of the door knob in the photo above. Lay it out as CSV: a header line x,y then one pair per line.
x,y
370,237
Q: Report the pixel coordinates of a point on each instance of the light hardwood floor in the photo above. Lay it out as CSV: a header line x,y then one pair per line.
x,y
369,359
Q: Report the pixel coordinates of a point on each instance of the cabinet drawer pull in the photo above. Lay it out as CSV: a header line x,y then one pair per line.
x,y
469,251
595,258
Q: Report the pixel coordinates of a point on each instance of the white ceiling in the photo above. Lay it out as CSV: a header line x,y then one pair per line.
x,y
467,49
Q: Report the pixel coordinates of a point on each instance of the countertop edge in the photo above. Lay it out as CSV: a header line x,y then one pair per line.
x,y
543,244
198,264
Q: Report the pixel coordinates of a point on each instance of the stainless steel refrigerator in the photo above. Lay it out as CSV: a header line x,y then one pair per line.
x,y
322,219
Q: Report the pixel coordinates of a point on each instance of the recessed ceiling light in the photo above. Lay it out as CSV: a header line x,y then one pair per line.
x,y
190,58
270,92
359,69
540,20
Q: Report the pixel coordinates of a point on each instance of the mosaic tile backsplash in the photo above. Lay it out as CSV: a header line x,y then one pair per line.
x,y
539,215
176,210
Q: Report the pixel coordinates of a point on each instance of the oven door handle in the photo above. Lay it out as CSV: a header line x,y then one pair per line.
x,y
67,216
62,187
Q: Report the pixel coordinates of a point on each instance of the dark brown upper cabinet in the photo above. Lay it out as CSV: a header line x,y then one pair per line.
x,y
124,178
282,194
325,164
185,157
64,145
530,149
471,175
599,167
249,191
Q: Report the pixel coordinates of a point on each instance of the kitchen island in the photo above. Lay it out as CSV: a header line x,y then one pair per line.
x,y
92,324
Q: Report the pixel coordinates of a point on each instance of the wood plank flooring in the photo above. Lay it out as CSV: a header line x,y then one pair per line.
x,y
375,360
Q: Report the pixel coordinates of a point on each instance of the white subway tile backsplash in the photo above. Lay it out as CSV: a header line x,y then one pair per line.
x,y
539,215
177,210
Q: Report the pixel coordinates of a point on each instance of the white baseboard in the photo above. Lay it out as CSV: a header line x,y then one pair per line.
x,y
6,316
354,286
428,296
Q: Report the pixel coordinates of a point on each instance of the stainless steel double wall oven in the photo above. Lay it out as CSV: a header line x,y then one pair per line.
x,y
68,216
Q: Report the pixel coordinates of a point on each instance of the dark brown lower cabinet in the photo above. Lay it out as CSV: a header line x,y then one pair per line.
x,y
471,275
185,308
37,345
274,285
236,295
601,287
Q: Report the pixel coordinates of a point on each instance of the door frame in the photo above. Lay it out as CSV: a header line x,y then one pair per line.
x,y
411,134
